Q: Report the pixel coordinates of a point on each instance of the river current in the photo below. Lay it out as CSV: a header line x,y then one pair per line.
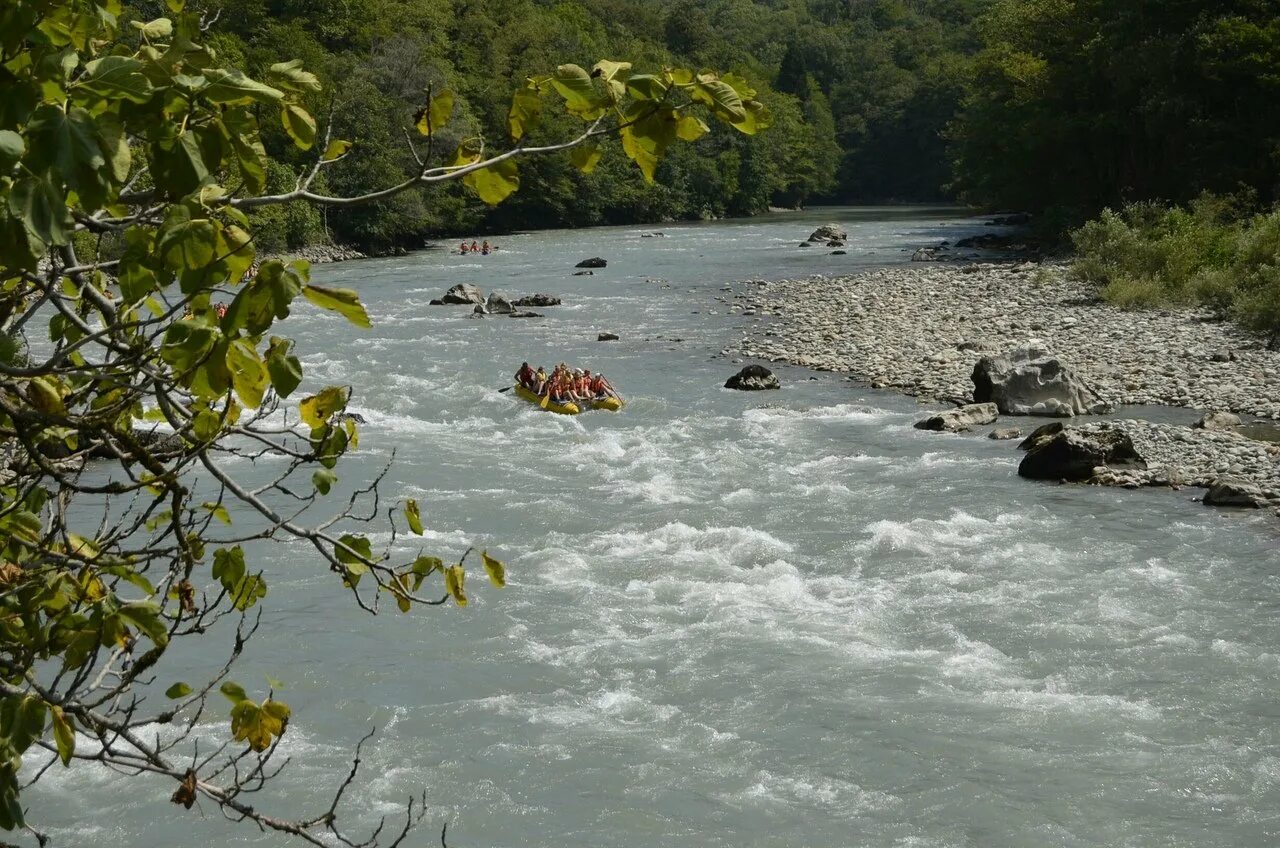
x,y
737,619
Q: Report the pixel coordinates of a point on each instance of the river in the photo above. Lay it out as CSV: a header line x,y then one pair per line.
x,y
738,619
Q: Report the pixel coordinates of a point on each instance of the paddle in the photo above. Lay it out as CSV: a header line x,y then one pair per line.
x,y
507,389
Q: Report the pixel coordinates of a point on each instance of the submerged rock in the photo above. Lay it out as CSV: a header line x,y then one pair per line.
x,y
463,293
1030,381
584,273
960,420
753,378
594,262
1004,433
607,337
1074,454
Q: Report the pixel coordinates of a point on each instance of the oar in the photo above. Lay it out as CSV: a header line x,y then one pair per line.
x,y
507,389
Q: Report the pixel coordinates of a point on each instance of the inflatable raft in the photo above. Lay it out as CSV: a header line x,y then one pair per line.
x,y
612,404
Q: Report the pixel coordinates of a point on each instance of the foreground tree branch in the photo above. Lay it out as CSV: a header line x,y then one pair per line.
x,y
127,165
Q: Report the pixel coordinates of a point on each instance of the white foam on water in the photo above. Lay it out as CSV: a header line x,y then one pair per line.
x,y
930,536
832,795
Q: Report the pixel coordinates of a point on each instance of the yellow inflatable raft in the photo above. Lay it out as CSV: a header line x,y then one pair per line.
x,y
611,404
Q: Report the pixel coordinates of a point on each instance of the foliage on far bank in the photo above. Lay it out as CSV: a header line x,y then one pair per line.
x,y
1212,252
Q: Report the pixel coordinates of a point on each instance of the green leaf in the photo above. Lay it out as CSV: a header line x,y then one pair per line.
x,y
435,115
580,95
41,208
317,409
11,148
251,157
343,301
355,560
525,113
218,510
723,99
646,87
290,76
336,149
494,183
413,515
299,124
177,690
64,735
323,479
116,78
284,368
585,157
232,88
249,375
424,566
159,28
188,244
234,691
145,616
497,571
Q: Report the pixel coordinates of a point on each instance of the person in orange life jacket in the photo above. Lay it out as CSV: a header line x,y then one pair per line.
x,y
525,376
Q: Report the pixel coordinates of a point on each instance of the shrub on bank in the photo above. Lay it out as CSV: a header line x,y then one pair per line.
x,y
1212,253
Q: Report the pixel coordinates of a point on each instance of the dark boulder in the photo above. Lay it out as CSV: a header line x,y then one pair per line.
x,y
607,337
1041,434
1073,454
584,273
753,378
537,300
594,262
435,301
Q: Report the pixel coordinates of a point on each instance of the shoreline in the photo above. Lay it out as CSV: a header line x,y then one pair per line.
x,y
920,329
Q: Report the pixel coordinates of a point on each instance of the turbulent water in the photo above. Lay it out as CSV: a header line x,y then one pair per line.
x,y
740,619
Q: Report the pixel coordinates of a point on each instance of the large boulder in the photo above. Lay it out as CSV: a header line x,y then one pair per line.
x,y
960,420
537,300
1041,434
1030,381
594,262
829,232
497,304
464,293
753,378
1233,492
1218,421
1073,454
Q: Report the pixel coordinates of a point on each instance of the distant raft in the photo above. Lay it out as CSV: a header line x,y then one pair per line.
x,y
611,404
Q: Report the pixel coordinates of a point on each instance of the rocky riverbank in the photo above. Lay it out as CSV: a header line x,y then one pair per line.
x,y
320,254
921,329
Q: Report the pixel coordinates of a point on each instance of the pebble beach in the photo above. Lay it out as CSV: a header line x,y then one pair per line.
x,y
921,329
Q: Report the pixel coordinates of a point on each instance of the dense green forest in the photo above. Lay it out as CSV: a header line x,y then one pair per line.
x,y
1060,107
860,95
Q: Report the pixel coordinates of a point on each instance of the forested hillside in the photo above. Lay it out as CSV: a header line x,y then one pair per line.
x,y
860,95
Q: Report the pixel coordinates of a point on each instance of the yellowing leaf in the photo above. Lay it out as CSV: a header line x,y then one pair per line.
x,y
64,735
580,96
343,301
525,113
435,115
336,149
494,183
299,124
454,576
317,409
413,515
585,157
691,128
497,571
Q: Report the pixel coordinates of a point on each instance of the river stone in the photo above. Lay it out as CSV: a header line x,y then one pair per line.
x,y
497,304
960,420
1073,454
1218,421
1030,381
1233,492
435,301
1041,434
1004,433
607,337
537,300
594,262
753,378
463,293
583,273
829,232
